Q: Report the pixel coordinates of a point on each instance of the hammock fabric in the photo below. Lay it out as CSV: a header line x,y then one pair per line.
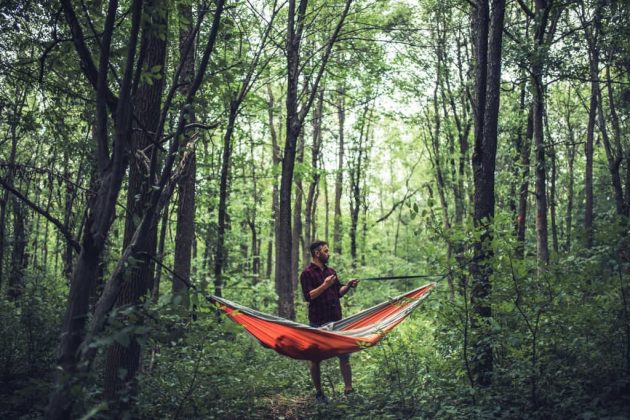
x,y
348,335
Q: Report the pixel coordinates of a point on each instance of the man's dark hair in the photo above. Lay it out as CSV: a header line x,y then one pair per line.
x,y
314,247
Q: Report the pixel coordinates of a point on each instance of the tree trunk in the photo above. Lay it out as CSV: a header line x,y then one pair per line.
x,y
102,206
6,200
357,172
297,217
614,156
294,123
337,228
276,159
588,152
220,257
541,189
523,194
591,35
571,156
552,201
147,106
160,253
18,253
185,227
489,32
309,211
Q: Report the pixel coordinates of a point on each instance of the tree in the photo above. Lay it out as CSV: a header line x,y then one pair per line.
x,y
488,29
294,121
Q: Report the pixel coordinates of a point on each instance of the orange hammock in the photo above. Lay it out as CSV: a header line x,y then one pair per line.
x,y
300,341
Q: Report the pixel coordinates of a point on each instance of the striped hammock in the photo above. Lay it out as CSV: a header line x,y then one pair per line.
x,y
348,335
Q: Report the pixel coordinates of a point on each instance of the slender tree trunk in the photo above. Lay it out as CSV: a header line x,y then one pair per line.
x,y
541,169
337,228
523,195
7,200
591,35
571,157
297,217
614,119
356,164
18,253
252,218
552,201
160,253
309,211
221,253
327,208
614,156
276,160
588,152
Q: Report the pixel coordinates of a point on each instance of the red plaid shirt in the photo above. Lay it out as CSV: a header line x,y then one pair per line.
x,y
325,307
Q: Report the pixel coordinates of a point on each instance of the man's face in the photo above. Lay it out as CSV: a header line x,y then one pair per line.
x,y
322,254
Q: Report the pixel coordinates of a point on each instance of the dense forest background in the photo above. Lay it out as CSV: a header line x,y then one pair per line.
x,y
149,144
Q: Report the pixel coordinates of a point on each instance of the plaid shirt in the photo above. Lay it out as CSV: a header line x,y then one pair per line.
x,y
325,307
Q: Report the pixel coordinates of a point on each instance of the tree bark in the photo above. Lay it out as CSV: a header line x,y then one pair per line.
x,y
147,107
294,123
489,30
337,223
523,194
185,227
357,173
311,203
111,170
220,257
297,217
571,156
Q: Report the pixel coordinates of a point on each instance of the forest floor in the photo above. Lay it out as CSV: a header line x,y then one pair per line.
x,y
291,407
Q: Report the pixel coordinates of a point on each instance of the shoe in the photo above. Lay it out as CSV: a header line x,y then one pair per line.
x,y
321,398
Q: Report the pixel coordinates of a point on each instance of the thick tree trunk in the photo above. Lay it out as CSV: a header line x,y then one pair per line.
x,y
487,93
185,227
147,106
101,207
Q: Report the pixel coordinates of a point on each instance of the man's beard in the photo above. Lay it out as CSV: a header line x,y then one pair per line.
x,y
323,258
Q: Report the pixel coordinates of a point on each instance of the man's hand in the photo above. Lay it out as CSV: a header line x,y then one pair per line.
x,y
328,281
353,282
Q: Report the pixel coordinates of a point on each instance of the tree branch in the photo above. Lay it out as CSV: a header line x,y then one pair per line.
x,y
63,229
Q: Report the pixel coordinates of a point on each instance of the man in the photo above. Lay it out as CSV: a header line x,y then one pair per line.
x,y
322,290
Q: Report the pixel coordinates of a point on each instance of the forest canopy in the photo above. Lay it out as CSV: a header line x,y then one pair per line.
x,y
156,153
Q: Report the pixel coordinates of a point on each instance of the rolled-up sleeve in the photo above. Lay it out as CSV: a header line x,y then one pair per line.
x,y
307,285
